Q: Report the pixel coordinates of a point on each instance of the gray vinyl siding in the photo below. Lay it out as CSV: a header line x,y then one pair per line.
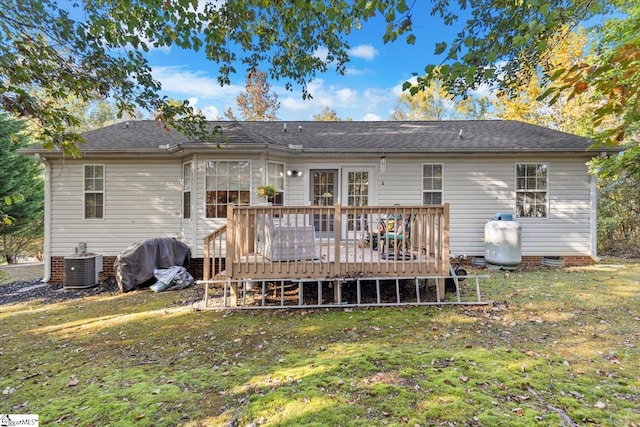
x,y
142,200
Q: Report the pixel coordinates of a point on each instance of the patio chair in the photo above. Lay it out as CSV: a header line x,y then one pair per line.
x,y
394,236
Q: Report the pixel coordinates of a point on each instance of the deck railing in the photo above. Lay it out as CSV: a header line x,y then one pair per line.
x,y
215,244
286,242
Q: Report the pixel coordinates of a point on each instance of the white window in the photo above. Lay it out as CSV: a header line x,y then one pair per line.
x,y
358,188
187,179
275,177
227,182
531,190
431,184
93,191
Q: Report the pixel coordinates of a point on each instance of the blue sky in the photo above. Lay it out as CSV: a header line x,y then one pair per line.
x,y
368,90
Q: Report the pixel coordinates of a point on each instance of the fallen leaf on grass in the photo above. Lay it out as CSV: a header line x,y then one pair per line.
x,y
519,412
599,405
74,381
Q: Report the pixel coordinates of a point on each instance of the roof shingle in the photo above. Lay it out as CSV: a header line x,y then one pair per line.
x,y
347,136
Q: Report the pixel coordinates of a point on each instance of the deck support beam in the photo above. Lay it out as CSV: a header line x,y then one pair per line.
x,y
245,295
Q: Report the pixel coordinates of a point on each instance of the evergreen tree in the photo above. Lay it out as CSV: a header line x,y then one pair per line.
x,y
20,179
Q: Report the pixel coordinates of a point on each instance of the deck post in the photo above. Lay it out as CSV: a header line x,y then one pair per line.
x,y
337,230
207,259
444,266
230,254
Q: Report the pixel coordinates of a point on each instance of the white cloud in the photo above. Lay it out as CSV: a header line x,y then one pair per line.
x,y
364,51
321,53
483,90
350,71
346,96
296,104
378,96
211,112
370,117
397,89
179,81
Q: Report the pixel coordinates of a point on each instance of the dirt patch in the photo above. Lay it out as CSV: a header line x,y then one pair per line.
x,y
21,272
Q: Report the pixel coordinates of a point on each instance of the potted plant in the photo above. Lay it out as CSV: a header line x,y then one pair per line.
x,y
267,191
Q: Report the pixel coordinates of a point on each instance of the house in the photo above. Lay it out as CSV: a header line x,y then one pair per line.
x,y
137,181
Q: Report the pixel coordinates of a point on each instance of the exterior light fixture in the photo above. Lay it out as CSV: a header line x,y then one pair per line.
x,y
294,173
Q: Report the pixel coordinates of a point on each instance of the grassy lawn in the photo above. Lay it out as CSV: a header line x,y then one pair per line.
x,y
556,347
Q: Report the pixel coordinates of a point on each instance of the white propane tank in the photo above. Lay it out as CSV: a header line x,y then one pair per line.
x,y
503,241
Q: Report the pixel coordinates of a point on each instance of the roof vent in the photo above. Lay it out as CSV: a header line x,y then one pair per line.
x,y
299,128
284,127
460,134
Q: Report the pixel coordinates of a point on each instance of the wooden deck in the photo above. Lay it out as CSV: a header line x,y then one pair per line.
x,y
265,243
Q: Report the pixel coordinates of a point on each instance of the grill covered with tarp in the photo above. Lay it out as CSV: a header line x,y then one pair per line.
x,y
136,264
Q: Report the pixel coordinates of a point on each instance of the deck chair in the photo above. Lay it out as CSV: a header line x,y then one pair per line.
x,y
394,235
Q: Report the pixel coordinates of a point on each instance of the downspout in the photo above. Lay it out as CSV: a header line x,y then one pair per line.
x,y
593,217
47,218
195,218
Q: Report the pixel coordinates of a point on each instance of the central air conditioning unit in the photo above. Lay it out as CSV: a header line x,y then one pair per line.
x,y
81,271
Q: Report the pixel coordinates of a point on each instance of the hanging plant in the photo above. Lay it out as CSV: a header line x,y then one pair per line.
x,y
266,191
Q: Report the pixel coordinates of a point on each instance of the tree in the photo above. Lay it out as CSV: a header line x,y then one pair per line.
x,y
618,203
477,107
257,103
19,175
506,44
95,50
327,115
499,44
567,114
434,103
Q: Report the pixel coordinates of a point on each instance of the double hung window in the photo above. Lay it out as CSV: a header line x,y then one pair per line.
x,y
93,191
432,184
531,190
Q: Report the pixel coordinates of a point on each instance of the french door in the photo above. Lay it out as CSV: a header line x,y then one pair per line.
x,y
351,186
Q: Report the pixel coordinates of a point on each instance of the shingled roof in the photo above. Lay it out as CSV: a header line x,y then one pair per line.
x,y
461,136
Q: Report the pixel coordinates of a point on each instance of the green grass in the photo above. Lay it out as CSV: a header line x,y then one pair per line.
x,y
555,345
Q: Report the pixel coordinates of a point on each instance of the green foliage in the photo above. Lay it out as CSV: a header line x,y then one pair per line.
x,y
506,45
48,54
20,177
619,202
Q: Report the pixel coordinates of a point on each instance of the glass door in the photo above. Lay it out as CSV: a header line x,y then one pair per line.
x,y
324,184
356,191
